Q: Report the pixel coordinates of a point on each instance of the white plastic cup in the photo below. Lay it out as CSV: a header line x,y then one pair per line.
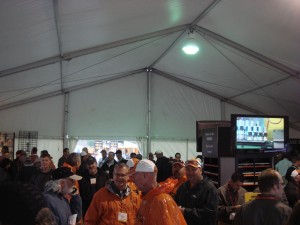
x,y
72,219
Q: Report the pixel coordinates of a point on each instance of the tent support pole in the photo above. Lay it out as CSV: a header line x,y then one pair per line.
x,y
149,110
66,117
187,150
223,110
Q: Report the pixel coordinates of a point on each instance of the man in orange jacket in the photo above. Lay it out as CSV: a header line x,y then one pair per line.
x,y
157,205
178,177
114,204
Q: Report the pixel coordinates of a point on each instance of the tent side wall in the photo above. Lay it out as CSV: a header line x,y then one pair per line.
x,y
118,109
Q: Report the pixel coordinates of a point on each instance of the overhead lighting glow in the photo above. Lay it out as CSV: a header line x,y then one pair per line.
x,y
191,46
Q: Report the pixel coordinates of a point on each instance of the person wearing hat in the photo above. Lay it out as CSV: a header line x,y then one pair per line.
x,y
132,163
55,192
163,166
115,203
82,168
120,157
178,177
73,162
231,198
291,189
93,179
197,198
157,206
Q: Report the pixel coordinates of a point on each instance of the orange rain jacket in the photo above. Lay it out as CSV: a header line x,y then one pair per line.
x,y
106,205
177,185
158,207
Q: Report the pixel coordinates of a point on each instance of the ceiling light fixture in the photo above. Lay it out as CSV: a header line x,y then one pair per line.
x,y
191,46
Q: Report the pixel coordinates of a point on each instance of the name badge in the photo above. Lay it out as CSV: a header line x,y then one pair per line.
x,y
93,180
231,216
122,217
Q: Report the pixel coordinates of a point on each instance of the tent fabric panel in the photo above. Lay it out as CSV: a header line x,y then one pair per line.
x,y
262,26
231,109
269,105
235,72
115,20
31,83
106,63
44,116
176,107
116,108
28,32
287,90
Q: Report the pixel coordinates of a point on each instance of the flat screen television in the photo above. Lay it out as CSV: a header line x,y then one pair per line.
x,y
259,133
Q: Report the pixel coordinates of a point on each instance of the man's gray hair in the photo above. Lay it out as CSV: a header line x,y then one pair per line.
x,y
53,185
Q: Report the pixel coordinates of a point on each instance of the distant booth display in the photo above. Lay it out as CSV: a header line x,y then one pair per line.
x,y
247,143
8,139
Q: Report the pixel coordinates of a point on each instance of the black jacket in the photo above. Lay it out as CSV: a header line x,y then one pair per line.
x,y
87,190
109,169
289,172
164,169
40,179
200,202
26,174
292,193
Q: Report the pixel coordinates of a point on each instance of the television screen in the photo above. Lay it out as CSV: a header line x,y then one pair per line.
x,y
256,132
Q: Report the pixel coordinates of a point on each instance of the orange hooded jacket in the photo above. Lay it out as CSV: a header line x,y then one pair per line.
x,y
106,206
158,207
177,185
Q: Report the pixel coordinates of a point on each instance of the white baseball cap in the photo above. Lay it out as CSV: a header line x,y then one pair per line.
x,y
130,163
294,173
83,153
145,165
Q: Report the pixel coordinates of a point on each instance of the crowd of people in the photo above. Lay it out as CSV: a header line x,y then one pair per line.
x,y
136,191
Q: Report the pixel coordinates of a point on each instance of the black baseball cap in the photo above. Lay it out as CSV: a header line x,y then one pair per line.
x,y
64,173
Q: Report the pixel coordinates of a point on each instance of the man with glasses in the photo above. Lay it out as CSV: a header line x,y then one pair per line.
x,y
267,207
197,198
115,203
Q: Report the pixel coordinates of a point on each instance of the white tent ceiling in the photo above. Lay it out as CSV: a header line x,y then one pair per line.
x,y
249,58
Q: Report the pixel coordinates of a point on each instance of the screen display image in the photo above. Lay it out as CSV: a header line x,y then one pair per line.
x,y
265,133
